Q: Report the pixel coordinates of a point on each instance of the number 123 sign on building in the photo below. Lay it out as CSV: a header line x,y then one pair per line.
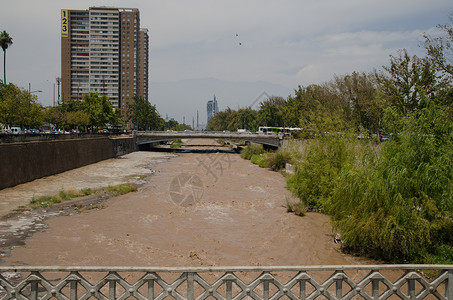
x,y
64,23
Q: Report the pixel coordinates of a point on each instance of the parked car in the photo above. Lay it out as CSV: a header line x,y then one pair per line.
x,y
32,131
16,130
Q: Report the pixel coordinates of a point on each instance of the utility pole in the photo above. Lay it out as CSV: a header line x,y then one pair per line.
x,y
58,90
197,120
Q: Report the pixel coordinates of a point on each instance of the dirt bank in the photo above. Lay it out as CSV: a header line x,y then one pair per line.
x,y
197,210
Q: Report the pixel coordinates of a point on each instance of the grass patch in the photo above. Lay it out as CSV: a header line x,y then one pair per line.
x,y
21,208
122,189
257,159
65,195
176,144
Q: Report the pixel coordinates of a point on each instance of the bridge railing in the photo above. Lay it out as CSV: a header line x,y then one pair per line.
x,y
259,283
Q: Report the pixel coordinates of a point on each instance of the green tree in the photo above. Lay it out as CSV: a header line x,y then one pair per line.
x,y
271,112
440,48
174,125
99,110
362,101
410,82
220,121
77,118
19,107
144,115
316,109
5,41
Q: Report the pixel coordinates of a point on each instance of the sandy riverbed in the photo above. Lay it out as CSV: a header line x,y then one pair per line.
x,y
196,210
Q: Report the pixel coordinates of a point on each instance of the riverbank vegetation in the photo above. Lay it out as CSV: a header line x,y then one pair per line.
x,y
18,107
378,155
176,144
66,195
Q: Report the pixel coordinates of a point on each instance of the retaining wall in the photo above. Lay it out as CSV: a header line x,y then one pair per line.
x,y
27,161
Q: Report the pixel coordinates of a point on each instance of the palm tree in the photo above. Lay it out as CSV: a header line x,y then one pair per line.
x,y
5,42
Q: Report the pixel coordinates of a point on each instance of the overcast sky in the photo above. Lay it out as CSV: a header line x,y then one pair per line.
x,y
236,49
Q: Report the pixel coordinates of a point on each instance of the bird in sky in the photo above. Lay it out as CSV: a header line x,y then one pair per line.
x,y
237,35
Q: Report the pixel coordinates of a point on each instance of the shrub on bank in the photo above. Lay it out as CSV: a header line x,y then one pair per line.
x,y
257,159
317,173
394,204
176,144
273,160
399,207
250,150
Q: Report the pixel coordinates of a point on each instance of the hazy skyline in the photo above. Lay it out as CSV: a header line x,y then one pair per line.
x,y
234,49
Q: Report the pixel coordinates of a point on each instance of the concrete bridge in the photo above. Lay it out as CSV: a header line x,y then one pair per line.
x,y
150,137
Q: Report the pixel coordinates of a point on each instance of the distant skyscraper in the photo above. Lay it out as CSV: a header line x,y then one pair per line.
x,y
104,50
212,108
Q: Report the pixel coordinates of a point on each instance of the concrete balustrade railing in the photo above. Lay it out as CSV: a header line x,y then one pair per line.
x,y
293,282
149,136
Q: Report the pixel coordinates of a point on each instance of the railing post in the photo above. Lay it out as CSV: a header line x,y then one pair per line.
x,y
150,278
411,288
302,288
73,290
190,291
34,290
229,288
449,285
112,290
339,284
375,288
34,285
266,289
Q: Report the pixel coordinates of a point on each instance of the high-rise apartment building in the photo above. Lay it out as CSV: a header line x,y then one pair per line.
x,y
104,50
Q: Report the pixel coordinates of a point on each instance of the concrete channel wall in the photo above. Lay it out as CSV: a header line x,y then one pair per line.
x,y
27,161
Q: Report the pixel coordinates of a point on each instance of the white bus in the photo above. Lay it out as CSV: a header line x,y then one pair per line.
x,y
277,130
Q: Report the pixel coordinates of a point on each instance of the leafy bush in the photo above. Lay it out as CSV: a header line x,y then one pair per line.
x,y
176,144
399,207
316,175
252,149
257,159
280,159
274,160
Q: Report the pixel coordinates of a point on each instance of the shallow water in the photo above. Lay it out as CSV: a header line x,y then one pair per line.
x,y
196,210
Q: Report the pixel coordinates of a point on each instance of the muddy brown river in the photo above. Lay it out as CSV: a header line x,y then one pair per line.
x,y
192,209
